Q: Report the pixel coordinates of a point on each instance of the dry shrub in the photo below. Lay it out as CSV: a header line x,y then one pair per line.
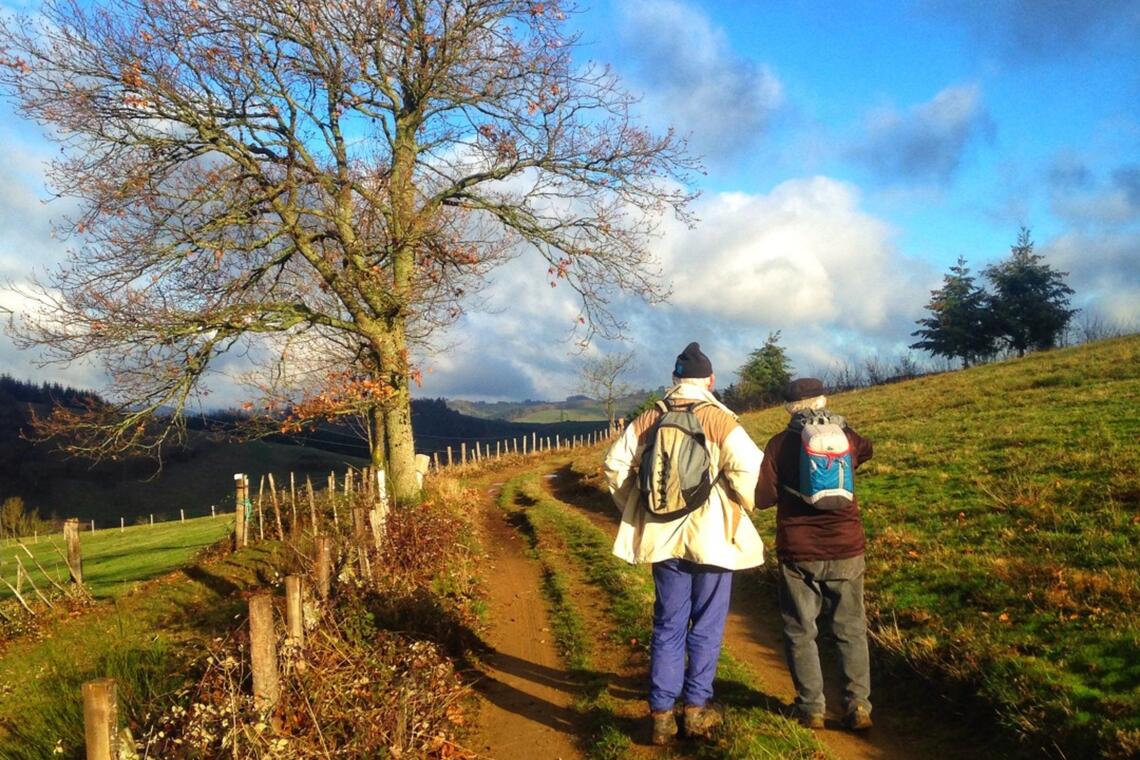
x,y
354,691
419,542
374,678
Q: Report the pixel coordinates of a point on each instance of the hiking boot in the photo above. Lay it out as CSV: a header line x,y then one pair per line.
x,y
702,721
858,719
810,720
664,727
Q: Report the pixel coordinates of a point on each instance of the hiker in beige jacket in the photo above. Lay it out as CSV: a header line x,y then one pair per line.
x,y
692,556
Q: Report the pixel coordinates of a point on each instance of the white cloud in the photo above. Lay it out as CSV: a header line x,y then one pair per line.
x,y
1083,200
694,80
804,254
1104,270
928,141
803,259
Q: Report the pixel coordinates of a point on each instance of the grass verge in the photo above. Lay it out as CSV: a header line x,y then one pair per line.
x,y
144,640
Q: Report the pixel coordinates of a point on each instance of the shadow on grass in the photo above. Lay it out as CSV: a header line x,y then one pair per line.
x,y
570,487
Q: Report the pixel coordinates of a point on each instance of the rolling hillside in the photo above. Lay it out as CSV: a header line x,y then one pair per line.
x,y
1003,516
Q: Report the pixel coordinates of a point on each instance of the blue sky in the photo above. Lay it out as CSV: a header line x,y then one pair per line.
x,y
854,152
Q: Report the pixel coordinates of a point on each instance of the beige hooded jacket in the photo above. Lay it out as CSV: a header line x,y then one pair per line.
x,y
717,533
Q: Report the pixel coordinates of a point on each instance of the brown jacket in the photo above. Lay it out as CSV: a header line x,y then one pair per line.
x,y
804,533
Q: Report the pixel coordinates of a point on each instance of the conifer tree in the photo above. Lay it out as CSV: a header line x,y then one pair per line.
x,y
764,376
959,325
1030,301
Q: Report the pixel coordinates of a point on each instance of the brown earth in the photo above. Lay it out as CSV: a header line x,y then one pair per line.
x,y
526,690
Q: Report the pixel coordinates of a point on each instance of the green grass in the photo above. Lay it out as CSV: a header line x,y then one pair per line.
x,y
546,416
143,640
754,726
114,561
1001,510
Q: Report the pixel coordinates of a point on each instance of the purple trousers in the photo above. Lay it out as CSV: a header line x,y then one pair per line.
x,y
688,626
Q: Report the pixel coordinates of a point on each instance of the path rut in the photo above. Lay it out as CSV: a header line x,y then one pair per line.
x,y
526,690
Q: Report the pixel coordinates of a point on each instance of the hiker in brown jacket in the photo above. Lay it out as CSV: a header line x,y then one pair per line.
x,y
820,552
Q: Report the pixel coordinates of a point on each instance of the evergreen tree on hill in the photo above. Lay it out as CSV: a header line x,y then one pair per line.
x,y
1030,301
762,378
959,325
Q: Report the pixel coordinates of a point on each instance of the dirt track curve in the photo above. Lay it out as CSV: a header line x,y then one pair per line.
x,y
528,692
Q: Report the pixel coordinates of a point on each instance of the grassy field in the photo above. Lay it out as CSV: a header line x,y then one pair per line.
x,y
546,416
1003,516
114,561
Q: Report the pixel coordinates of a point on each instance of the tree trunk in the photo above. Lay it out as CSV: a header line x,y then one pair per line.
x,y
398,442
377,439
401,452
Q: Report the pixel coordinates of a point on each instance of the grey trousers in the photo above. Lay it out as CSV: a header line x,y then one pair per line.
x,y
833,590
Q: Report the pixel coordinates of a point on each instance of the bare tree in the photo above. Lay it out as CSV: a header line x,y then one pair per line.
x,y
601,380
340,173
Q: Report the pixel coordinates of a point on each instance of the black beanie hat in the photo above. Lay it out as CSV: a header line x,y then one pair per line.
x,y
804,387
692,363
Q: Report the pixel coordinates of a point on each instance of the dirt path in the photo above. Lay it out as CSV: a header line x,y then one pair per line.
x,y
904,728
526,690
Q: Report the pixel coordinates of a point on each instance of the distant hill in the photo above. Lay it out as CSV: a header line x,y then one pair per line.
x,y
200,474
575,408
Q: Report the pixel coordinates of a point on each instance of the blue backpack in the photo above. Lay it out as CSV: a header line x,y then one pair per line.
x,y
827,474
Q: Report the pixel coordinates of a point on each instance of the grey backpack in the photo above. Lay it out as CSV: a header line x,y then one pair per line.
x,y
676,468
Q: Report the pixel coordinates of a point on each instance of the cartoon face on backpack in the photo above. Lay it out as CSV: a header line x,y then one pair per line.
x,y
675,475
827,477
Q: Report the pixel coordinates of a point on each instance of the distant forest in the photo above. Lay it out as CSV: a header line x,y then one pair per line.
x,y
27,468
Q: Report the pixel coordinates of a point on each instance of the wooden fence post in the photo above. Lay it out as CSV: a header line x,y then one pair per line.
x,y
448,456
122,525
533,441
295,626
435,460
463,453
181,515
101,719
376,522
276,508
312,503
241,499
74,550
260,510
263,652
515,444
293,500
324,565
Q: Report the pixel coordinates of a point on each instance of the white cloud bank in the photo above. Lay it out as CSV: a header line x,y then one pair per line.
x,y
804,259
